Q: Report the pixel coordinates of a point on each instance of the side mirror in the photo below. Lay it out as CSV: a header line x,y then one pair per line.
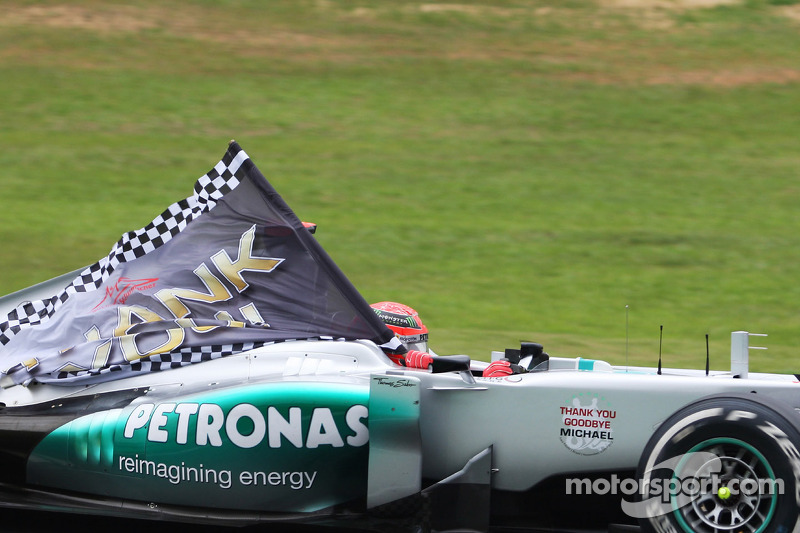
x,y
539,359
450,363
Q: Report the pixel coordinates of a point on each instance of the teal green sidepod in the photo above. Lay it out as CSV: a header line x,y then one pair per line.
x,y
280,447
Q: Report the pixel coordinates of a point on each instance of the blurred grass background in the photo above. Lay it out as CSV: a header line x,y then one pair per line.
x,y
514,169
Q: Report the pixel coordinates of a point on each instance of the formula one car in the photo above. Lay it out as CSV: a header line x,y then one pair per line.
x,y
216,367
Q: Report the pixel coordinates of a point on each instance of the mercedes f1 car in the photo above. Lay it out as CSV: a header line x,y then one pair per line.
x,y
216,367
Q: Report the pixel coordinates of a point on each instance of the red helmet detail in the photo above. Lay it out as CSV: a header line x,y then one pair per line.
x,y
405,322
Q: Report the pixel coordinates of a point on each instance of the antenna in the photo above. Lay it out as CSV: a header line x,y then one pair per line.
x,y
707,357
660,337
626,337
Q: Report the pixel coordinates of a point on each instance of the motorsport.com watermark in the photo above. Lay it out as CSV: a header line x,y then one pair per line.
x,y
694,475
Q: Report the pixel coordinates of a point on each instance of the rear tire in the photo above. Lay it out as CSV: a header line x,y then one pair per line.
x,y
722,464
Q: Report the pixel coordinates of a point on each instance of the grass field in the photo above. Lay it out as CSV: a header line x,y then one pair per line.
x,y
516,170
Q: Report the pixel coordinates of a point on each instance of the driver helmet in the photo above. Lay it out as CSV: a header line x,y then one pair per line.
x,y
405,323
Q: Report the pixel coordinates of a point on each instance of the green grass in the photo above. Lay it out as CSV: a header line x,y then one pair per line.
x,y
516,170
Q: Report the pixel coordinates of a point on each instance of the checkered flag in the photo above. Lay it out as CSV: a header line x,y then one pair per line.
x,y
227,269
207,191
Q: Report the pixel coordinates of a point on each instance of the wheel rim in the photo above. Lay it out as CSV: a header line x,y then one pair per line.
x,y
742,498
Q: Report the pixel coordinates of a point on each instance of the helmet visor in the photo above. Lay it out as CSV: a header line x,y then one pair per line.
x,y
415,342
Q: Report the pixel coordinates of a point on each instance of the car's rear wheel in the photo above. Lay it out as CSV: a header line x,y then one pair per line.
x,y
722,464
